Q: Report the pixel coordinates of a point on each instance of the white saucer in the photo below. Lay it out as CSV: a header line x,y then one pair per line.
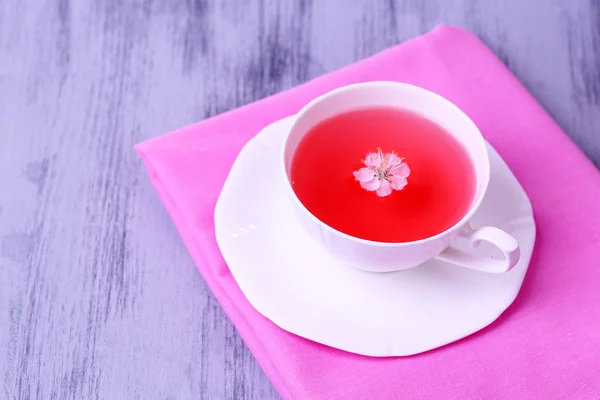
x,y
292,281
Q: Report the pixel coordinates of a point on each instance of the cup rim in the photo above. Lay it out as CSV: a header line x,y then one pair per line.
x,y
406,86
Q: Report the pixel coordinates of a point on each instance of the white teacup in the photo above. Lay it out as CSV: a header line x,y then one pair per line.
x,y
382,256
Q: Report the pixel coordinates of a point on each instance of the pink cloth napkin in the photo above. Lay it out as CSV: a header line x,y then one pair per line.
x,y
546,346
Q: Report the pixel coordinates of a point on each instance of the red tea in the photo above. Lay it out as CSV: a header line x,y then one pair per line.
x,y
335,174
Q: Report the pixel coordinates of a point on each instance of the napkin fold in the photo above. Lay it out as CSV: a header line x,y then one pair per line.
x,y
545,346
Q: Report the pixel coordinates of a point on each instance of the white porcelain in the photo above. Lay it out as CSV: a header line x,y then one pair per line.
x,y
384,257
302,288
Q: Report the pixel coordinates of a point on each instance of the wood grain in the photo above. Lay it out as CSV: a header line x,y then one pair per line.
x,y
98,297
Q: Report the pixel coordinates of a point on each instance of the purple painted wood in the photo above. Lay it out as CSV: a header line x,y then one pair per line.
x,y
98,296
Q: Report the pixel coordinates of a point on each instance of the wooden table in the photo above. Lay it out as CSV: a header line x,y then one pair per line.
x,y
99,299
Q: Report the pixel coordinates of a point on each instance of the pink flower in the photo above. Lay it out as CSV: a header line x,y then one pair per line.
x,y
383,173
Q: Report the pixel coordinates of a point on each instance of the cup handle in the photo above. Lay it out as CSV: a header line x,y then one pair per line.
x,y
497,237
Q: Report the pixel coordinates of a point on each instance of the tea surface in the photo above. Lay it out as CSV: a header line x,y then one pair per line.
x,y
440,186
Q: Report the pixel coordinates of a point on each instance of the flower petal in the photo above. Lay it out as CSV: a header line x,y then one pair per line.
x,y
373,160
402,171
392,158
364,174
371,185
384,189
398,182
